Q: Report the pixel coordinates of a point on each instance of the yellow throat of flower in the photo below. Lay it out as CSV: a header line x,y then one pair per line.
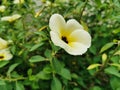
x,y
2,57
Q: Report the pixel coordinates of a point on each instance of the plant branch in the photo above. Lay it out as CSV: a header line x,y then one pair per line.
x,y
106,62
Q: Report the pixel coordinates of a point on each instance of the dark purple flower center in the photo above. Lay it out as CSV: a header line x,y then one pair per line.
x,y
64,39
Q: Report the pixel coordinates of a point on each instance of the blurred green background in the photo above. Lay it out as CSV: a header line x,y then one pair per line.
x,y
40,65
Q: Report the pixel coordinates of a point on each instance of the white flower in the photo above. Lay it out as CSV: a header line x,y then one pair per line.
x,y
69,35
18,1
11,18
5,54
2,8
3,44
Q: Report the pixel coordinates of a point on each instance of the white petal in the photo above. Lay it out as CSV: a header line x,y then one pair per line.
x,y
57,23
57,40
6,54
3,43
6,18
16,16
18,1
72,25
2,8
11,18
76,48
73,48
80,36
9,56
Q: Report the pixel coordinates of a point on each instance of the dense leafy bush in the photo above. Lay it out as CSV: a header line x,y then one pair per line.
x,y
38,64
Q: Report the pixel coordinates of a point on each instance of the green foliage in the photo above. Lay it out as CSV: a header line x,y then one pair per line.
x,y
38,64
92,66
114,82
56,84
106,47
65,73
113,71
19,86
3,63
36,58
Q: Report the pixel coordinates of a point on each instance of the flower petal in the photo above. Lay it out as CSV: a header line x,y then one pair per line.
x,y
78,40
73,48
3,43
57,40
76,48
6,54
18,1
72,25
15,16
80,36
6,18
2,8
11,18
57,23
9,56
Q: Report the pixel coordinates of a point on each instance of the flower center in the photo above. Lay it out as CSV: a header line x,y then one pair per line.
x,y
64,39
1,57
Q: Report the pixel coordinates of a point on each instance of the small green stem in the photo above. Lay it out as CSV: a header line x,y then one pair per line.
x,y
13,79
51,63
83,9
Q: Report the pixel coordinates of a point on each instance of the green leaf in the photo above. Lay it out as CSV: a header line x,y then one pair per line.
x,y
56,84
48,53
113,71
32,78
116,3
76,89
115,83
93,49
18,24
98,2
36,58
117,53
57,66
118,88
36,46
96,88
115,64
43,75
80,81
74,75
47,69
116,31
11,68
13,49
3,87
65,73
106,47
115,59
2,82
19,86
29,72
3,63
92,66
14,74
